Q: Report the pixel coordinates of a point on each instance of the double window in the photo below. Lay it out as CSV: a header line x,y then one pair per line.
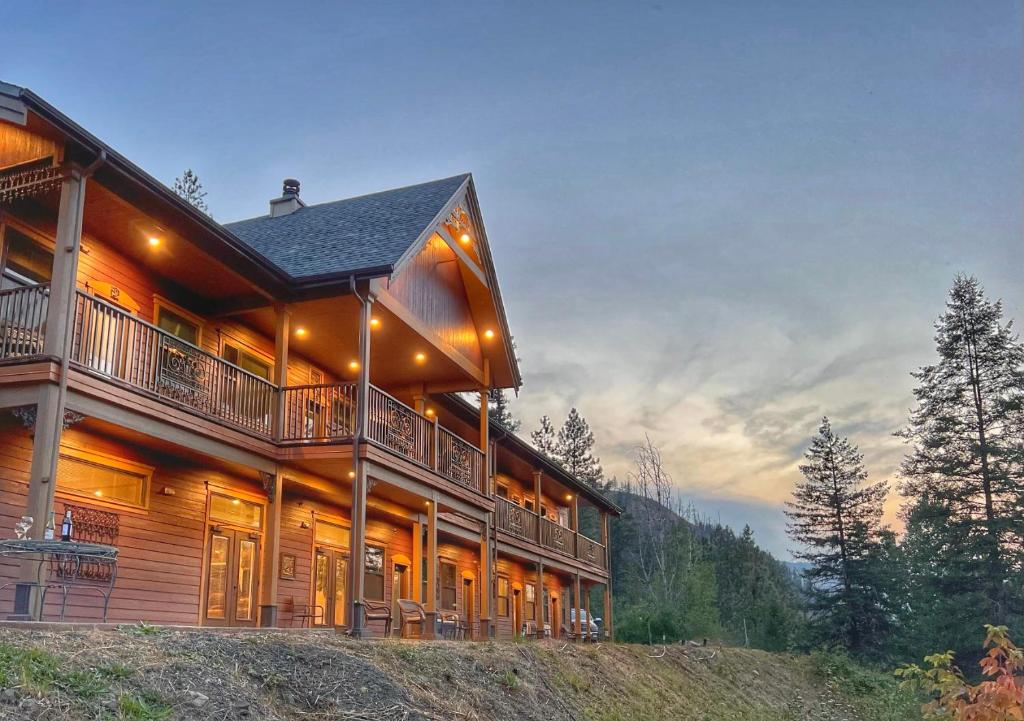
x,y
503,596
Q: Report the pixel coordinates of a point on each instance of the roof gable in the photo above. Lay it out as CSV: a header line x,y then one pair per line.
x,y
347,236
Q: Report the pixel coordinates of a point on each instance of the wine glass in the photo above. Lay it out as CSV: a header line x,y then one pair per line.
x,y
21,527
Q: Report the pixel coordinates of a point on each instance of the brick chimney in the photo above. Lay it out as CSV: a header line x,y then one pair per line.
x,y
289,201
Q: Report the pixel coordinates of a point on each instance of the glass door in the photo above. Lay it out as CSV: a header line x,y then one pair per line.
x,y
330,587
232,578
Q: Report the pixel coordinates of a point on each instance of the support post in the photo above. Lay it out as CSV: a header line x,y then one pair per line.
x,y
605,535
538,606
586,612
57,343
430,604
485,427
271,550
536,502
357,563
576,512
577,603
608,628
281,337
416,572
486,586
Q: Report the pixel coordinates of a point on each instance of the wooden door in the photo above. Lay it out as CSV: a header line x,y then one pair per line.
x,y
468,605
399,588
517,613
232,578
330,586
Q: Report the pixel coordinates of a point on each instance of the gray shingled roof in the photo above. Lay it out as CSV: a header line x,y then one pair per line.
x,y
347,236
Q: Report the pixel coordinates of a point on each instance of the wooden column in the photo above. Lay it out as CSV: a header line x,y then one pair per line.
x,y
485,428
430,604
606,540
605,535
281,337
357,562
486,585
536,501
586,610
49,423
576,513
538,599
577,605
60,322
271,550
416,572
419,399
609,629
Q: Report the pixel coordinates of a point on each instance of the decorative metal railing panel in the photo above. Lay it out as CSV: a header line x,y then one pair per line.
x,y
459,461
320,412
23,320
398,427
557,537
112,342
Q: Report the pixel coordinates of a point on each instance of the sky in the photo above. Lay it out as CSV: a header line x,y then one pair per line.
x,y
712,222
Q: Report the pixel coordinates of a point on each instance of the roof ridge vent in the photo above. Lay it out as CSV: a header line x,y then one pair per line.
x,y
289,201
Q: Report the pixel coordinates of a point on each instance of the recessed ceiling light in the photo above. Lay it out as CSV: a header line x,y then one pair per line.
x,y
351,474
430,411
488,334
375,322
353,365
421,358
154,241
464,238
300,332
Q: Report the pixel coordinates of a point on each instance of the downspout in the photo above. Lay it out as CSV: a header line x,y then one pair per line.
x,y
65,356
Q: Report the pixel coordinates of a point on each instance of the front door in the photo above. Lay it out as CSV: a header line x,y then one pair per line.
x,y
232,578
517,613
399,588
330,586
468,607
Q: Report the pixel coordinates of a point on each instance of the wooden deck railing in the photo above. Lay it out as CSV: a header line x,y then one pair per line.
x,y
518,521
114,343
23,320
319,413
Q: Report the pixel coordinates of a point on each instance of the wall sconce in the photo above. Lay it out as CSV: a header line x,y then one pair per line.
x,y
167,491
304,524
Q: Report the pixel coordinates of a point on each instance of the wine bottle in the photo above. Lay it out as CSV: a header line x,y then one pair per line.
x,y
49,528
67,526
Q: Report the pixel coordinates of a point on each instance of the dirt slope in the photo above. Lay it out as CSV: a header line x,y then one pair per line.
x,y
149,673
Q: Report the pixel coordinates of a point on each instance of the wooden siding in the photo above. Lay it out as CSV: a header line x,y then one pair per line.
x,y
431,288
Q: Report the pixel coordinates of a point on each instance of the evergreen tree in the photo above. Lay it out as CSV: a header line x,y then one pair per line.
x,y
964,474
574,449
545,439
835,516
499,411
191,190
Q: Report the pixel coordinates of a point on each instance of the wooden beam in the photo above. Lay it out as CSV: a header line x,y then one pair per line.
x,y
463,256
357,563
283,316
486,575
577,605
538,599
430,604
536,502
416,572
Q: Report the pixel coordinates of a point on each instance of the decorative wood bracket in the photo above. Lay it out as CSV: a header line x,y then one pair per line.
x,y
269,483
27,416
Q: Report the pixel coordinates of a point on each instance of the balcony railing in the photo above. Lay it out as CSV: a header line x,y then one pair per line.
x,y
520,522
23,320
114,343
319,413
398,427
459,461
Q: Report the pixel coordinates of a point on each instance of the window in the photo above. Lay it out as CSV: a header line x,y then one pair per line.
x,y
547,607
543,511
423,580
374,573
177,325
235,511
502,596
246,361
502,491
528,504
26,262
530,601
449,588
316,378
331,534
103,478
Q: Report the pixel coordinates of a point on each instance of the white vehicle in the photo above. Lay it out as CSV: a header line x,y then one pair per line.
x,y
588,626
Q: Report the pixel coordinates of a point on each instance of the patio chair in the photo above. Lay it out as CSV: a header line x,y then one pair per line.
x,y
378,611
410,613
306,614
567,633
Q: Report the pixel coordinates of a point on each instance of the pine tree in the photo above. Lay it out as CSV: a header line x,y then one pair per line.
x,y
835,516
191,190
545,439
575,448
964,474
499,410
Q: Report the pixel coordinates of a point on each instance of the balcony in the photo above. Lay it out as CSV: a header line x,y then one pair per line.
x,y
113,343
518,521
23,321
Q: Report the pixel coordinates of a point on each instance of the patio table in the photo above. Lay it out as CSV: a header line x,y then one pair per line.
x,y
66,565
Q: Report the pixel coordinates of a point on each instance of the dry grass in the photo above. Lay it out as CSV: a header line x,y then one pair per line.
x,y
143,674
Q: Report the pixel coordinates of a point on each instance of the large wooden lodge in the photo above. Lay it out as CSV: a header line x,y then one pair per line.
x,y
267,418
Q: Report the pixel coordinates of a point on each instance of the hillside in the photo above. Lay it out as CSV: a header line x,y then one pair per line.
x,y
148,673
